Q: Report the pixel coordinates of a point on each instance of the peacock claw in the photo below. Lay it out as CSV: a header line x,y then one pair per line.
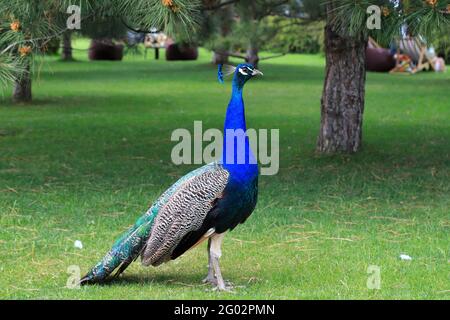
x,y
211,280
227,288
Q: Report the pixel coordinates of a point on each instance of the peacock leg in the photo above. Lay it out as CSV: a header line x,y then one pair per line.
x,y
216,253
210,278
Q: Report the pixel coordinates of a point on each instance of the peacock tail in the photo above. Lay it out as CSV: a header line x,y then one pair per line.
x,y
124,250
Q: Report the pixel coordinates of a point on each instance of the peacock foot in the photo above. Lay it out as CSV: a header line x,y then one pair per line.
x,y
226,287
210,279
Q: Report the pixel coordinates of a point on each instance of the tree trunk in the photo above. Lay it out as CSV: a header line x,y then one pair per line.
x,y
342,104
252,56
66,54
22,87
219,58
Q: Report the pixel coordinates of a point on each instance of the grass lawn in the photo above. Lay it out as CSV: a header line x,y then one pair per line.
x,y
86,159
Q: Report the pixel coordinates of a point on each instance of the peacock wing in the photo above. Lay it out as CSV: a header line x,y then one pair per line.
x,y
182,210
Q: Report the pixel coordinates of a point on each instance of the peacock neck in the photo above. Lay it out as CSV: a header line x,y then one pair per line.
x,y
235,124
235,117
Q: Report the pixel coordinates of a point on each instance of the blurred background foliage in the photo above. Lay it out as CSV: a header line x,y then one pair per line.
x,y
295,37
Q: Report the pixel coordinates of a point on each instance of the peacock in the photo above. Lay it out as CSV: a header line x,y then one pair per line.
x,y
202,205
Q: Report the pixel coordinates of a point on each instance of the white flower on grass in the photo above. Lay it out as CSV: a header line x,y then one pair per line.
x,y
78,244
405,257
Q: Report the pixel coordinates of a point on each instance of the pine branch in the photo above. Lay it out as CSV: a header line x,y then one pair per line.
x,y
46,39
425,18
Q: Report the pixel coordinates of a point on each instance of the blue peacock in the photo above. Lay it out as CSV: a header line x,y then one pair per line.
x,y
202,205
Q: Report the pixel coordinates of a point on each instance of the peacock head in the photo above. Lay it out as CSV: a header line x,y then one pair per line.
x,y
242,73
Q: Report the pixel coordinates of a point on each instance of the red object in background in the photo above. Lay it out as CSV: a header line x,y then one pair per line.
x,y
101,50
176,51
379,60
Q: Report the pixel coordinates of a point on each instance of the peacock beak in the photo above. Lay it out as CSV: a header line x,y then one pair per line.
x,y
256,72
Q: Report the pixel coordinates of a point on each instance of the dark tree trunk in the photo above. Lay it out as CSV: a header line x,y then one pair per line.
x,y
219,58
22,88
252,56
342,104
66,54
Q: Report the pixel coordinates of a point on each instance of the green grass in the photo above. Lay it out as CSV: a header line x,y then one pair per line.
x,y
93,151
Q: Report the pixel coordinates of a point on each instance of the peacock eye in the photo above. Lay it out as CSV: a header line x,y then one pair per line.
x,y
243,71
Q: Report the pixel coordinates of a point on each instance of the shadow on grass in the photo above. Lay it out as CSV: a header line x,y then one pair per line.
x,y
86,101
112,71
37,102
184,280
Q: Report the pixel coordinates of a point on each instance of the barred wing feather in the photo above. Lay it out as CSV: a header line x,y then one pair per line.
x,y
183,212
